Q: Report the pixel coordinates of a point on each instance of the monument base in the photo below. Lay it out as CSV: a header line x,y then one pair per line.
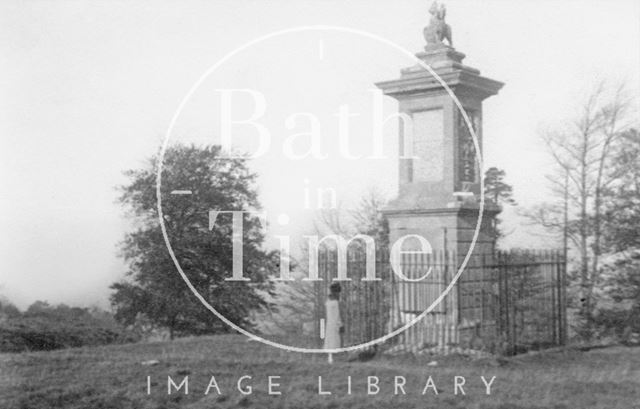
x,y
450,229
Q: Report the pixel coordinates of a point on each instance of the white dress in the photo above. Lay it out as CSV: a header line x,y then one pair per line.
x,y
332,325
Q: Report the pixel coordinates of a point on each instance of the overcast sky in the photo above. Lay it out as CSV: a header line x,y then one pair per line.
x,y
88,89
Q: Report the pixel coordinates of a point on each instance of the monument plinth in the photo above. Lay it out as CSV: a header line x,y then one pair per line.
x,y
439,182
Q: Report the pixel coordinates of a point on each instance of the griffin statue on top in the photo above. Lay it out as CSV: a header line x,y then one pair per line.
x,y
437,30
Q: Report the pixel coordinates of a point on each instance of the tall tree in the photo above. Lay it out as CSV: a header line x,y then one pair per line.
x,y
500,192
153,286
582,152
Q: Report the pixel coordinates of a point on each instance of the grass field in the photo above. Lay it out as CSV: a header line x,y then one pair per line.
x,y
114,377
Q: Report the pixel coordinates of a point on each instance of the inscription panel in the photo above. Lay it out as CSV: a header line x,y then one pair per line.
x,y
428,146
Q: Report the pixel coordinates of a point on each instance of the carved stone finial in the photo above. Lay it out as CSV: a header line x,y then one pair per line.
x,y
437,30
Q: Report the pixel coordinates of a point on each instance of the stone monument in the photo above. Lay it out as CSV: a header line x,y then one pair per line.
x,y
439,185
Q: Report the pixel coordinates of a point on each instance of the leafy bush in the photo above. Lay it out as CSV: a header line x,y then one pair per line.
x,y
621,325
618,313
43,327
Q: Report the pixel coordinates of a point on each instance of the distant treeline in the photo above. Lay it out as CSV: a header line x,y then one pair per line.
x,y
44,327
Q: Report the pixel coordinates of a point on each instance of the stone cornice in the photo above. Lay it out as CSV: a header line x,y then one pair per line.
x,y
424,82
446,62
489,209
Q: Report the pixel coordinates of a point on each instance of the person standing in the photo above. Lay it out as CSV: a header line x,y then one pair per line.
x,y
333,322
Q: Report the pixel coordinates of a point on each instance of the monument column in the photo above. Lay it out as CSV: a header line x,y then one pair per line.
x,y
439,185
